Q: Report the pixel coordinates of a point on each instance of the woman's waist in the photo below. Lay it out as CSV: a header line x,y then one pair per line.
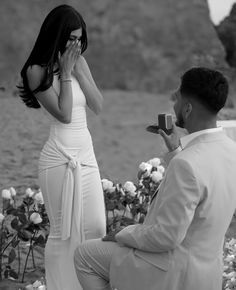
x,y
53,149
71,138
76,123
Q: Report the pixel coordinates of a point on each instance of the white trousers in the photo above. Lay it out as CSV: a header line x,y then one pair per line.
x,y
92,261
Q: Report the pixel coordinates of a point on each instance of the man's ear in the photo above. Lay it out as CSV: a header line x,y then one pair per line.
x,y
187,110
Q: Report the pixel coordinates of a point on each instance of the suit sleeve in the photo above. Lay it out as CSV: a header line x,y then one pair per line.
x,y
175,207
170,155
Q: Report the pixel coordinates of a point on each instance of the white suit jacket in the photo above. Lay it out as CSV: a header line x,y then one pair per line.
x,y
179,246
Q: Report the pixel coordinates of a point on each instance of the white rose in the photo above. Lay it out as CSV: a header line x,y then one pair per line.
x,y
111,189
144,166
1,218
107,185
39,197
225,267
35,218
155,162
6,194
229,258
42,287
12,191
29,192
29,287
37,283
161,169
156,176
232,242
130,188
231,275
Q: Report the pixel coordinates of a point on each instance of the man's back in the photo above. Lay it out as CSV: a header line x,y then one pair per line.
x,y
208,164
213,161
184,230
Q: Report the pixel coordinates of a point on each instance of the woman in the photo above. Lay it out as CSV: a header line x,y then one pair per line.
x,y
57,78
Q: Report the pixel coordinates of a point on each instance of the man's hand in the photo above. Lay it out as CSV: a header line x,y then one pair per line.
x,y
172,141
111,236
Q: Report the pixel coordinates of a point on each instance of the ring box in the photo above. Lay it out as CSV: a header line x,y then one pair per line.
x,y
165,122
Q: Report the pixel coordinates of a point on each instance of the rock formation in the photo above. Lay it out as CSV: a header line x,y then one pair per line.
x,y
133,44
227,34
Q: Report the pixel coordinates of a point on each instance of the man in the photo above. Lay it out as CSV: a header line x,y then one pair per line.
x,y
179,245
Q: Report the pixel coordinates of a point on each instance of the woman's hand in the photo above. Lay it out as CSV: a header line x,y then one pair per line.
x,y
69,58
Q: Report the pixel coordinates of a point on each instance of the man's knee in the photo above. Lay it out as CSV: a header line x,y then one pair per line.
x,y
79,257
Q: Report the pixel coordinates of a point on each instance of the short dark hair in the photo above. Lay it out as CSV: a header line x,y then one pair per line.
x,y
208,86
52,38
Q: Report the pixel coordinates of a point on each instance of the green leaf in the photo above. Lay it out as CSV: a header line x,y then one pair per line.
x,y
24,235
22,217
15,243
3,235
11,210
40,240
14,224
12,256
6,273
141,220
111,205
13,274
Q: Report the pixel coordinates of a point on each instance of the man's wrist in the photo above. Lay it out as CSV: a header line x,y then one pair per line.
x,y
175,149
171,154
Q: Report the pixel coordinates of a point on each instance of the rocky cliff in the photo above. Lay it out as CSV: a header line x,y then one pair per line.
x,y
133,44
227,34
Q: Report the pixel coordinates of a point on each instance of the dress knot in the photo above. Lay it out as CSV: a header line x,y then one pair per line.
x,y
72,163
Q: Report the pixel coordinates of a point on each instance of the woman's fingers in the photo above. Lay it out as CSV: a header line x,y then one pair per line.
x,y
78,53
71,48
74,51
70,56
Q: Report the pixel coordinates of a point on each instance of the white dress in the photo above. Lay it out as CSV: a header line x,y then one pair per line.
x,y
71,185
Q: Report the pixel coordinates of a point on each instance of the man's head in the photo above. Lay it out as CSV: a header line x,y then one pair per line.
x,y
202,94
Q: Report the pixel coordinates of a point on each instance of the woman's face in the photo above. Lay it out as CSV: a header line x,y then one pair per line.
x,y
75,35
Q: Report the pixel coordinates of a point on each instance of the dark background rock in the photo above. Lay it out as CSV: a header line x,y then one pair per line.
x,y
133,44
227,34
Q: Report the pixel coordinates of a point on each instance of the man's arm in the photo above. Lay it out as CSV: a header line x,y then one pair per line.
x,y
170,155
177,200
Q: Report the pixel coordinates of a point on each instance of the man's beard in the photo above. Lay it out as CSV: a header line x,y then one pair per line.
x,y
180,121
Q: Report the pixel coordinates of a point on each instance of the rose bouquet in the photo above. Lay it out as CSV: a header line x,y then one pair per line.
x,y
21,223
128,204
229,256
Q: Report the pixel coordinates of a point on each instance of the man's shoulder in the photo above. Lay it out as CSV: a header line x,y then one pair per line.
x,y
205,154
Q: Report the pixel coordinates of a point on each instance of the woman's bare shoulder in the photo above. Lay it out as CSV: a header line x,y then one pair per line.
x,y
35,74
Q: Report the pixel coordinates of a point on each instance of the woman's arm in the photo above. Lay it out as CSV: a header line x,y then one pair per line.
x,y
93,96
58,106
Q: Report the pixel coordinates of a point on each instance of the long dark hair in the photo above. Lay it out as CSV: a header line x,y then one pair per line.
x,y
52,39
